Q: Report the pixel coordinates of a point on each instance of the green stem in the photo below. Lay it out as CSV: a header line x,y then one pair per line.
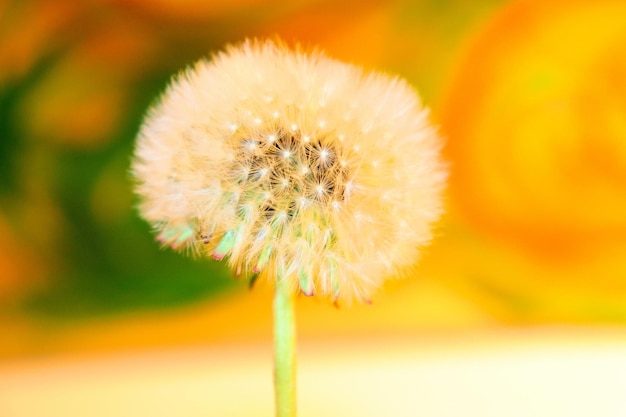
x,y
284,350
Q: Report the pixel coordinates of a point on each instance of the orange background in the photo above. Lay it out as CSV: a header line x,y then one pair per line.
x,y
530,96
517,308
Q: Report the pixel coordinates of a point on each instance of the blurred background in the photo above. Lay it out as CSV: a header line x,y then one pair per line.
x,y
531,98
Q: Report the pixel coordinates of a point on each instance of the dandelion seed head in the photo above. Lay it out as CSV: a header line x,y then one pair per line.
x,y
291,164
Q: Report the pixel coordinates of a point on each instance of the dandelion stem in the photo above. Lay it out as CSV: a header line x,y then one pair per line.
x,y
284,350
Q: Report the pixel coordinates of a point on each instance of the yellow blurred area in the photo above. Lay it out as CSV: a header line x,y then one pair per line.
x,y
513,375
518,307
536,118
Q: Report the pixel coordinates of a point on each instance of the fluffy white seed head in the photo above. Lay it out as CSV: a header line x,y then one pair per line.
x,y
292,165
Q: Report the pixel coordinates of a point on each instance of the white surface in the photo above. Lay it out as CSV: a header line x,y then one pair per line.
x,y
541,379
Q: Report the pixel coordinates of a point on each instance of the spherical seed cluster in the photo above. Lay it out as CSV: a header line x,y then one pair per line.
x,y
293,166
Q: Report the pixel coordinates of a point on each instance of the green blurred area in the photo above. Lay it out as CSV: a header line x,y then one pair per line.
x,y
95,263
72,206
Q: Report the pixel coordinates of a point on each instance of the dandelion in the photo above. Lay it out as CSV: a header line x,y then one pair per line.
x,y
294,166
311,173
